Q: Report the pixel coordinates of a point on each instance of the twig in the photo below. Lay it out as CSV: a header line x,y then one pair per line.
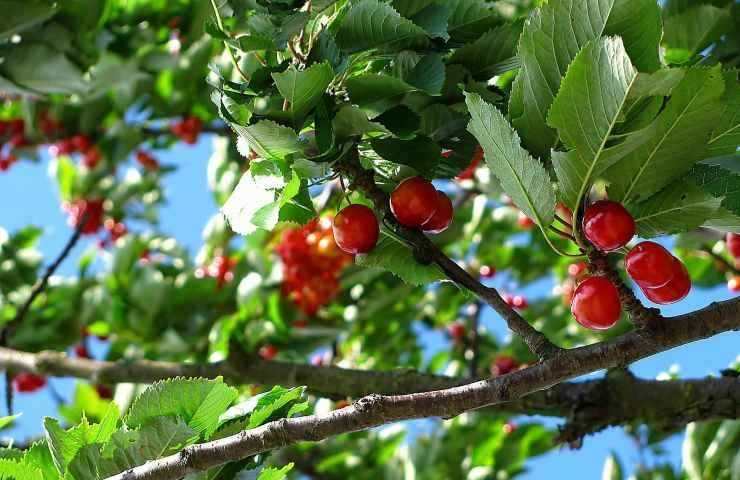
x,y
726,263
376,410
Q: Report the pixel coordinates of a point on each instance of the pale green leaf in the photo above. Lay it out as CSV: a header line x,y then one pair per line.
x,y
8,420
659,83
303,89
680,207
612,469
522,177
484,55
725,137
350,121
390,255
39,67
724,220
585,112
673,142
377,93
374,24
551,38
272,473
198,402
14,470
689,32
272,402
718,182
269,139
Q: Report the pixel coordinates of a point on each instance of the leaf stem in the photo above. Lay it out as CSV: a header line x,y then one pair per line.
x,y
220,24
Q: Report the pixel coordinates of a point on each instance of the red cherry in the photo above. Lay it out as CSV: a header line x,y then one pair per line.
x,y
147,160
104,391
116,229
268,352
18,140
509,428
94,210
414,202
673,291
6,162
17,126
26,382
62,147
733,244
734,284
81,143
596,303
469,172
81,351
608,225
519,302
356,229
442,217
503,364
650,265
564,212
576,269
487,271
4,127
456,331
91,157
524,221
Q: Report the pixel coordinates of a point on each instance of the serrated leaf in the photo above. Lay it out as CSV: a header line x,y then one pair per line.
x,y
273,401
680,207
522,177
409,8
689,32
482,56
377,93
273,473
440,122
396,258
198,402
640,26
420,153
39,457
350,121
551,38
22,15
726,134
428,74
433,19
720,183
249,43
658,83
373,24
303,89
13,470
469,19
585,112
269,139
673,142
39,67
724,220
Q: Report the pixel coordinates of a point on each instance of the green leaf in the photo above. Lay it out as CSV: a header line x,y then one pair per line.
x,y
303,89
269,139
659,83
199,402
377,93
249,43
522,177
22,15
39,457
272,473
680,207
433,19
8,420
428,74
585,112
390,255
409,8
640,25
13,470
420,153
373,24
689,32
718,182
673,142
726,134
272,402
551,38
484,55
350,121
253,204
469,19
612,469
724,220
441,122
41,68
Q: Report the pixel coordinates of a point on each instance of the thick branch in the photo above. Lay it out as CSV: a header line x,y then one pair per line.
x,y
426,251
376,410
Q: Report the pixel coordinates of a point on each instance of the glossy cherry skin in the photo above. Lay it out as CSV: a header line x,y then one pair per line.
x,y
26,382
650,265
442,217
414,202
596,303
356,229
733,244
608,225
673,291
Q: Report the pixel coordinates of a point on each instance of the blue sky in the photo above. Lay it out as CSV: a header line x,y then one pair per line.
x,y
28,196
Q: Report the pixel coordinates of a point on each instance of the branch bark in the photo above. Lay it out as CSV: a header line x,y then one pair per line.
x,y
427,252
375,410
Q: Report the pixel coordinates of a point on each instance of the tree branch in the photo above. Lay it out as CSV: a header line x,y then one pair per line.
x,y
426,251
375,410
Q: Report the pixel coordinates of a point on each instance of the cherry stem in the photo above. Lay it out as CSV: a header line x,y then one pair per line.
x,y
562,233
563,221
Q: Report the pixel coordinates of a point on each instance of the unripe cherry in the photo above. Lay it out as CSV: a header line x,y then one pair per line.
x,y
733,244
414,202
596,303
608,225
356,229
673,291
442,217
650,265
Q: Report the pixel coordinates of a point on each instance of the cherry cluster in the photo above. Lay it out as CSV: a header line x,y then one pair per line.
x,y
662,277
81,144
187,129
12,133
221,268
312,262
415,203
